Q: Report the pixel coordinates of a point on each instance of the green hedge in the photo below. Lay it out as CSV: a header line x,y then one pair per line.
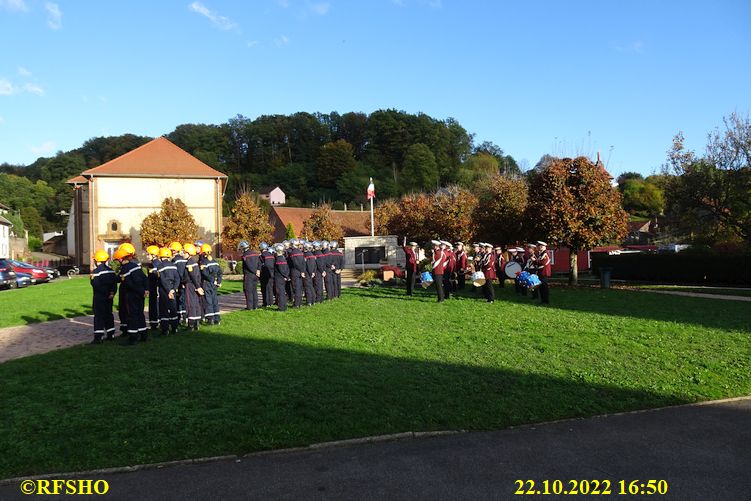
x,y
677,268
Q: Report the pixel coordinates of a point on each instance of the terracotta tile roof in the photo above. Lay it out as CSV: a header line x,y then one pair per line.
x,y
77,180
157,158
353,223
641,226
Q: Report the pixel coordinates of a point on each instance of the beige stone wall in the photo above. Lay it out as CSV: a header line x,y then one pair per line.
x,y
128,201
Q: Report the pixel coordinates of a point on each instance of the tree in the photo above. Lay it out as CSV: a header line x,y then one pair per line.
x,y
420,170
246,222
290,232
32,221
714,191
640,197
172,222
383,213
501,211
321,226
575,206
335,160
477,168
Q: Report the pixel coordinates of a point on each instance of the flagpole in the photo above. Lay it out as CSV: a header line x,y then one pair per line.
x,y
372,226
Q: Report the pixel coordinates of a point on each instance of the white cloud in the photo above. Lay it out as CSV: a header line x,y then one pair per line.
x,y
283,3
14,5
23,72
33,88
44,149
281,41
6,88
635,47
54,16
320,8
221,22
252,44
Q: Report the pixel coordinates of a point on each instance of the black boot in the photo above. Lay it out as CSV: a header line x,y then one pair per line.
x,y
97,339
144,336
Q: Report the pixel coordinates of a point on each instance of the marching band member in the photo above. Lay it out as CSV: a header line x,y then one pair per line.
x,y
461,265
543,269
411,264
447,267
476,257
500,262
488,269
438,269
516,257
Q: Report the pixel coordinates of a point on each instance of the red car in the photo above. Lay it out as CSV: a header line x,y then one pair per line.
x,y
38,275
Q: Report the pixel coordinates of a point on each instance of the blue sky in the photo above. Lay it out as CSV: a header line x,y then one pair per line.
x,y
565,78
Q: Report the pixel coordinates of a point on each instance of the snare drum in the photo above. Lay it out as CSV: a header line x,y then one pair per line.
x,y
512,269
478,279
426,279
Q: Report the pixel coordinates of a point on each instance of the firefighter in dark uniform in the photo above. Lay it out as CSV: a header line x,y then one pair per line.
x,y
267,275
411,264
297,267
169,283
211,280
104,284
337,262
193,289
136,285
288,286
252,265
123,250
461,265
179,261
311,271
488,268
438,269
152,271
281,276
328,282
320,277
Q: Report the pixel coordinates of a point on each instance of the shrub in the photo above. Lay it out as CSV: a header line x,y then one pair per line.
x,y
366,277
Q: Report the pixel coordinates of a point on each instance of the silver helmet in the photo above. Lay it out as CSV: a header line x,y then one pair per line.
x,y
307,246
325,244
243,246
286,244
317,245
264,246
333,244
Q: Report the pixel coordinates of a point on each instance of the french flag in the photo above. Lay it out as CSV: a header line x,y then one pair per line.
x,y
371,190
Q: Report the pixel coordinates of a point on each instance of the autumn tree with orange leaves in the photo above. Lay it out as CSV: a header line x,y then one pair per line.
x,y
572,204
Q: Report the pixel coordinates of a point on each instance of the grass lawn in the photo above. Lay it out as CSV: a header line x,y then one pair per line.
x,y
62,298
370,363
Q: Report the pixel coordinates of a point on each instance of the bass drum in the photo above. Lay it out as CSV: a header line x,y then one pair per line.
x,y
426,279
478,279
512,269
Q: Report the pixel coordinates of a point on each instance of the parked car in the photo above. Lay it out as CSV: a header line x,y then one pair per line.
x,y
7,275
70,270
52,272
38,275
23,280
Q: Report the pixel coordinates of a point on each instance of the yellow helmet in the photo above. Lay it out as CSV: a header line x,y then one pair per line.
x,y
176,247
165,252
101,256
152,249
190,249
206,248
119,254
128,248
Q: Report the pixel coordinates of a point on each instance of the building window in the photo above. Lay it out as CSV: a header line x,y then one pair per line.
x,y
113,227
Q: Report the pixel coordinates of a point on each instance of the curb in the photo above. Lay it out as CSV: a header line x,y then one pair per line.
x,y
335,444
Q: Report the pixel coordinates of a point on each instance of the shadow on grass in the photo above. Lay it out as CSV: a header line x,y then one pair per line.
x,y
714,313
213,392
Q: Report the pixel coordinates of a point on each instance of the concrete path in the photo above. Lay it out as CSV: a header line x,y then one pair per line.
x,y
699,294
33,339
702,452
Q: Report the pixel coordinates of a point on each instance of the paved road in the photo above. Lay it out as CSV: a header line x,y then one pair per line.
x,y
703,452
